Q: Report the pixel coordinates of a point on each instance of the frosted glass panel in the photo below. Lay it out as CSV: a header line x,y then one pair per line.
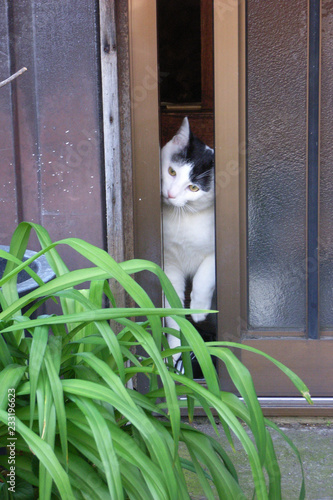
x,y
276,96
326,171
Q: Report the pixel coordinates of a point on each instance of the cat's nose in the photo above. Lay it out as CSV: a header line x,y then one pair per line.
x,y
170,195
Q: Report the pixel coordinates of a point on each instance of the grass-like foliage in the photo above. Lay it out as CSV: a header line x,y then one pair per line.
x,y
82,430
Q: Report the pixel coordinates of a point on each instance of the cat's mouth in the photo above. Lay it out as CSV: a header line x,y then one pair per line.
x,y
172,202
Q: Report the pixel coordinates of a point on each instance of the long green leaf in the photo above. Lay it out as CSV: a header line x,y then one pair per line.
x,y
38,347
225,483
150,347
5,356
136,416
194,339
58,397
47,427
178,470
271,462
20,239
100,315
17,262
10,377
104,444
45,478
138,265
271,424
84,477
273,470
105,262
236,427
299,384
242,379
113,381
197,344
128,452
52,255
44,453
103,327
68,280
201,476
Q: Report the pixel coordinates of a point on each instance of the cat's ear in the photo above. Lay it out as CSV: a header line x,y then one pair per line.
x,y
182,137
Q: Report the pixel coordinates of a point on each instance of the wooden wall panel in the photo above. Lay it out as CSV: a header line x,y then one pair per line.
x,y
57,130
122,20
8,192
26,123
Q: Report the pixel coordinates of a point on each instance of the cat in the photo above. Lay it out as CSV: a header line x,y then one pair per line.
x,y
188,220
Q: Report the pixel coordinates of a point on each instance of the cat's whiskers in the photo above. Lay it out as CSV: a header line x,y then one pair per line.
x,y
190,208
177,215
179,211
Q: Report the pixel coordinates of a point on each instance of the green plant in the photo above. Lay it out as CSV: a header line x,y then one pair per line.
x,y
82,430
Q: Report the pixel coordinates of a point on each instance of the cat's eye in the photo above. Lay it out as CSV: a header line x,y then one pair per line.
x,y
172,171
193,188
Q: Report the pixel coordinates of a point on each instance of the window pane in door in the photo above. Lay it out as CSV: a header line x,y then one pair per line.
x,y
276,97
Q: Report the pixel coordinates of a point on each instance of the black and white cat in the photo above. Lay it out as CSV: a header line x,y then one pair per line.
x,y
188,219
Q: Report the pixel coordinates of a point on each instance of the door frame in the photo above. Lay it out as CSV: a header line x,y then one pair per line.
x,y
145,138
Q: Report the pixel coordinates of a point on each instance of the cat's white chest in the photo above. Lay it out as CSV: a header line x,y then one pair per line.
x,y
188,238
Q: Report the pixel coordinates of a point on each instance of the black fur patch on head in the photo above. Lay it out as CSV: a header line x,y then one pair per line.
x,y
201,159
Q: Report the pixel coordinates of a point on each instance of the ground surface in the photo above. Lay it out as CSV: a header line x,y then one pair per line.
x,y
314,440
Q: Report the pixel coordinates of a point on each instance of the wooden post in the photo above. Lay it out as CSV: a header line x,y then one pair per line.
x,y
111,132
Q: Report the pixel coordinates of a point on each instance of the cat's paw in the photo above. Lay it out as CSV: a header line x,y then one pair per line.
x,y
199,303
199,317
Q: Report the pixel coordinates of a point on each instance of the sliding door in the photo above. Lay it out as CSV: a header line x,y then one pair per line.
x,y
271,114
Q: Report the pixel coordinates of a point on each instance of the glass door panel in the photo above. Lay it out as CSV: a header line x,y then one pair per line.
x,y
276,164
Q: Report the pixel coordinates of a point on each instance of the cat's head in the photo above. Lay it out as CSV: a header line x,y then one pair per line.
x,y
187,171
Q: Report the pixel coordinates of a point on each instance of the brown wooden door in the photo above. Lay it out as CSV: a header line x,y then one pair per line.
x,y
273,292
273,179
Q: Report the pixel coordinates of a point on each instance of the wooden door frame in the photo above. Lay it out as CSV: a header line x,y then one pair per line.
x,y
145,138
